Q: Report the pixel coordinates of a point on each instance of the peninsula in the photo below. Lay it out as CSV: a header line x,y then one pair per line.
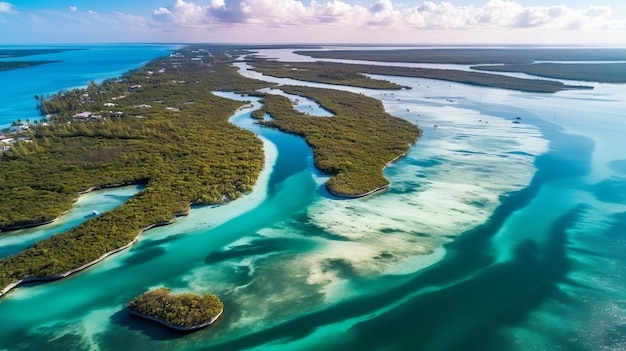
x,y
184,312
354,145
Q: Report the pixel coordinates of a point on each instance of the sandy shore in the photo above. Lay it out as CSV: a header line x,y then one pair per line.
x,y
177,327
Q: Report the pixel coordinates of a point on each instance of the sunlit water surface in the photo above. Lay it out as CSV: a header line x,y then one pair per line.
x,y
493,236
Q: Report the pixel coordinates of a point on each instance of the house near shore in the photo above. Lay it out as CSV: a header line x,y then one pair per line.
x,y
86,115
6,143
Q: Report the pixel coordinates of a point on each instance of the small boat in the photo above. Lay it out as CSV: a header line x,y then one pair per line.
x,y
516,121
95,213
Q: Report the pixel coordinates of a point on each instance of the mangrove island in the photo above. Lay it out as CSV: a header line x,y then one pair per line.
x,y
185,312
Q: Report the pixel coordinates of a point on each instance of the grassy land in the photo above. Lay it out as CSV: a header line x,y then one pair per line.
x,y
589,72
354,145
474,56
317,71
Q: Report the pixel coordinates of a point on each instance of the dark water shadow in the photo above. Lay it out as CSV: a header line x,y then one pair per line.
x,y
482,297
153,330
143,256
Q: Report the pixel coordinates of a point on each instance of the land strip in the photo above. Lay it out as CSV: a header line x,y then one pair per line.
x,y
9,65
589,72
354,145
6,53
320,71
474,56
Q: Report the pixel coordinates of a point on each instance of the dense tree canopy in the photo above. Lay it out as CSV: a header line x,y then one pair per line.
x,y
354,145
185,310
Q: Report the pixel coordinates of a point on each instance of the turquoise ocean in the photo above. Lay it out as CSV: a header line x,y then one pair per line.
x,y
492,236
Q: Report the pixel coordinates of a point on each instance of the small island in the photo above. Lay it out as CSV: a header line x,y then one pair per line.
x,y
185,312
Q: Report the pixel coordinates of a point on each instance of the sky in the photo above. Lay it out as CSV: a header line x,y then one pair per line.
x,y
558,22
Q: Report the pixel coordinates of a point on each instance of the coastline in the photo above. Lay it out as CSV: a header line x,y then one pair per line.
x,y
174,326
371,192
38,224
9,287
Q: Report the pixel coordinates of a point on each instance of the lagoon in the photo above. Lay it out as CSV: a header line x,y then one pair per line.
x,y
492,236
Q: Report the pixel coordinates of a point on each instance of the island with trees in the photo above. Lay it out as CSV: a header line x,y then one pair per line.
x,y
184,312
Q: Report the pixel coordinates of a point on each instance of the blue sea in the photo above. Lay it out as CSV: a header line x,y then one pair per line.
x,y
493,235
76,68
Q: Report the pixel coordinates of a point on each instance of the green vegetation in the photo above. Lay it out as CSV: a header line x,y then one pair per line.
x,y
160,126
589,72
6,66
186,157
183,311
310,71
354,145
322,72
474,56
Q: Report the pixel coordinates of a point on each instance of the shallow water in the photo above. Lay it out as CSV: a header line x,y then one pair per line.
x,y
101,201
493,236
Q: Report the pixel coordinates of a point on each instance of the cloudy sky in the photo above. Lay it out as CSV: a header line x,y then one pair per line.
x,y
319,21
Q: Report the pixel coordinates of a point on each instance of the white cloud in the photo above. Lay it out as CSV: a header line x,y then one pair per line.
x,y
6,7
493,14
181,13
73,8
